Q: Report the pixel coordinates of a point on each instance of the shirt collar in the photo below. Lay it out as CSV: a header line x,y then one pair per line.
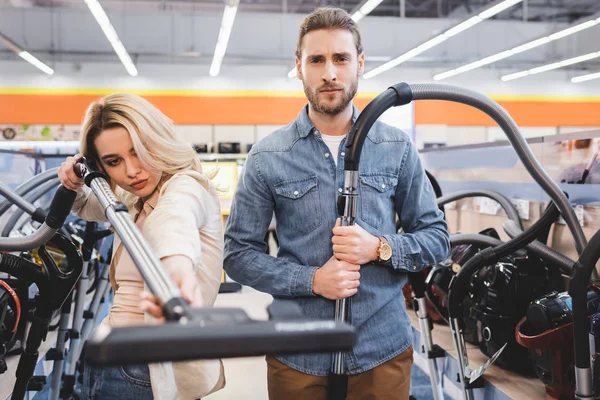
x,y
305,126
152,201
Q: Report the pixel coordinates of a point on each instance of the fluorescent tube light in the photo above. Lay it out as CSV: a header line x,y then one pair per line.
x,y
498,8
573,29
585,78
111,35
578,27
365,9
515,76
224,33
36,63
25,55
456,29
550,67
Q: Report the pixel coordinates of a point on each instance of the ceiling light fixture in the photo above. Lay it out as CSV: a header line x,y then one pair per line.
x,y
111,35
489,12
224,33
550,67
585,78
26,55
577,27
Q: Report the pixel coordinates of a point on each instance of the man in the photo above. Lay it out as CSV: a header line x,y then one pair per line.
x,y
297,173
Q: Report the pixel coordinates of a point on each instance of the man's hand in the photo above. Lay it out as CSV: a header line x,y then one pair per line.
x,y
353,244
336,280
182,273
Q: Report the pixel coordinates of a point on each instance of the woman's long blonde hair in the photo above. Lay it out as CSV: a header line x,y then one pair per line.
x,y
154,139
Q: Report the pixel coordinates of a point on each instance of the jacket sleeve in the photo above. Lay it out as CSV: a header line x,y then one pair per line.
x,y
245,259
87,206
424,240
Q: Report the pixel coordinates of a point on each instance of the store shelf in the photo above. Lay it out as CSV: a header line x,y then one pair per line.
x,y
499,383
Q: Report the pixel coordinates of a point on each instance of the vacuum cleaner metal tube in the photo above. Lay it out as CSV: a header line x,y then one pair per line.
x,y
17,200
435,376
583,383
155,276
29,185
16,221
56,216
463,361
347,210
431,351
349,195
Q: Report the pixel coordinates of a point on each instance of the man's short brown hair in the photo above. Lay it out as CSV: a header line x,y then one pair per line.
x,y
329,18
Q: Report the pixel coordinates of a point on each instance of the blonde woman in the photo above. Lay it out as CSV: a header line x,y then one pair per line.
x,y
159,177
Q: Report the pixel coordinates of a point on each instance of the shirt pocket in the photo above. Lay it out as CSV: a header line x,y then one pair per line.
x,y
298,204
376,198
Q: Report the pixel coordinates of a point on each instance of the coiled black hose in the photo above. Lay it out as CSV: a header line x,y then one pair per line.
x,y
459,285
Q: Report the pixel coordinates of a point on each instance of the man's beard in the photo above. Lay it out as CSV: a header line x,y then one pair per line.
x,y
334,109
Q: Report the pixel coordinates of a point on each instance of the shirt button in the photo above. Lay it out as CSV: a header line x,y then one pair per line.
x,y
327,155
340,190
343,153
383,185
296,192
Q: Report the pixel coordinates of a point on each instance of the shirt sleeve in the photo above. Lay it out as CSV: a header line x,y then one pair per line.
x,y
245,259
425,240
87,206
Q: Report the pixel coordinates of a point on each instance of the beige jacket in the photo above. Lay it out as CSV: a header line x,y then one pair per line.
x,y
183,218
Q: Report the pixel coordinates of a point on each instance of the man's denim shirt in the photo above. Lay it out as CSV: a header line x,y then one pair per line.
x,y
291,173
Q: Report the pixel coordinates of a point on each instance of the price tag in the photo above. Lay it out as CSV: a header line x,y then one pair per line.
x,y
579,211
522,207
486,206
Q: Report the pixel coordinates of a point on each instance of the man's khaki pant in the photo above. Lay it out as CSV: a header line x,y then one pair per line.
x,y
388,381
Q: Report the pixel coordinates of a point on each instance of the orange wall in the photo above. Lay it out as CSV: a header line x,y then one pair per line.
x,y
524,112
196,110
272,108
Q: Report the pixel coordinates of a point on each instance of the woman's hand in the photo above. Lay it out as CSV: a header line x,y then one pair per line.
x,y
182,273
67,176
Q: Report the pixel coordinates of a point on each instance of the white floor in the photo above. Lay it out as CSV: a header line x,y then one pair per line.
x,y
246,377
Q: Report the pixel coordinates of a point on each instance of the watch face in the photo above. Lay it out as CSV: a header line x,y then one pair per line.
x,y
385,252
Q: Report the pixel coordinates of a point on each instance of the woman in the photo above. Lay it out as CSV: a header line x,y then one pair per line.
x,y
159,177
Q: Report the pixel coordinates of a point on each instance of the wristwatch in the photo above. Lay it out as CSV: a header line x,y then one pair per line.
x,y
384,252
